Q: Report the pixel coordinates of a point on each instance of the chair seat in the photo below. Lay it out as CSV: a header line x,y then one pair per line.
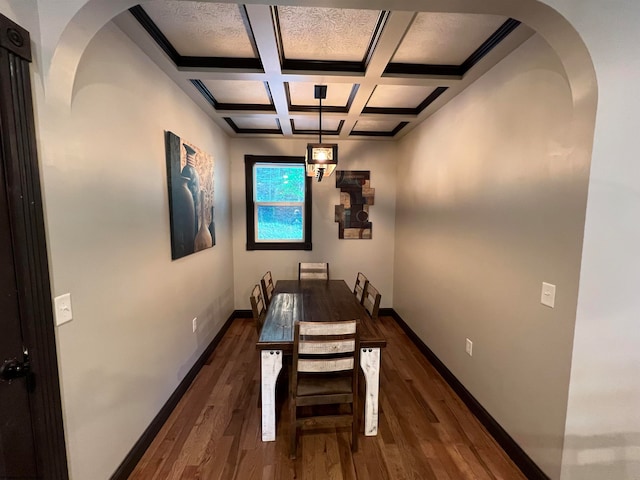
x,y
309,386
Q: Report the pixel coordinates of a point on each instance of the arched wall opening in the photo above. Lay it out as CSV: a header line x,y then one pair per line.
x,y
66,40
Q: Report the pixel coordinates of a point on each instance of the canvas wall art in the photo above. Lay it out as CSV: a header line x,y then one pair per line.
x,y
191,210
356,196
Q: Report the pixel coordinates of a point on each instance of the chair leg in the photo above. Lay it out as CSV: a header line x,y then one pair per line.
x,y
354,431
293,424
293,427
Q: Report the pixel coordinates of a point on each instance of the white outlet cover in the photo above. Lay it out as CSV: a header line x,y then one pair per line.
x,y
194,323
63,309
469,347
548,296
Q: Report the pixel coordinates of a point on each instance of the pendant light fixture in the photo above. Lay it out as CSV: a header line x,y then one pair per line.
x,y
321,158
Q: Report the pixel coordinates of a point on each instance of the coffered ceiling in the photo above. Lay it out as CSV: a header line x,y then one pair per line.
x,y
252,68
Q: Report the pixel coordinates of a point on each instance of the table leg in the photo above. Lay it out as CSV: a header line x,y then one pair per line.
x,y
270,366
370,363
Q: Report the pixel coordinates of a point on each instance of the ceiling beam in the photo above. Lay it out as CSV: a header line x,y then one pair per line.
x,y
393,31
261,20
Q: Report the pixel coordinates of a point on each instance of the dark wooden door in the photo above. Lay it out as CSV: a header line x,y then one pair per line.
x,y
17,451
31,431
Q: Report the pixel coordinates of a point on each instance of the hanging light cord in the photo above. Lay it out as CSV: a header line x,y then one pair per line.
x,y
320,119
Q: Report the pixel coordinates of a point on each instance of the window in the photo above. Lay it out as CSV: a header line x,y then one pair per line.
x,y
278,203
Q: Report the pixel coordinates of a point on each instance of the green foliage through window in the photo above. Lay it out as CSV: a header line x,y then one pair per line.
x,y
279,202
276,183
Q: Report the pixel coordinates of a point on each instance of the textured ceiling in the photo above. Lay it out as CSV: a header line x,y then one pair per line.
x,y
398,96
329,34
445,38
239,91
203,29
252,68
301,93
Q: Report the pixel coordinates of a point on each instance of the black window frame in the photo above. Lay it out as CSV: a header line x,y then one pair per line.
x,y
249,162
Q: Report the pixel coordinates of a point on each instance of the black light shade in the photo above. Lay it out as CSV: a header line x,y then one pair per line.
x,y
321,159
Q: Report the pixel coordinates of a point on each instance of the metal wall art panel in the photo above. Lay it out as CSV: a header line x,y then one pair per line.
x,y
356,195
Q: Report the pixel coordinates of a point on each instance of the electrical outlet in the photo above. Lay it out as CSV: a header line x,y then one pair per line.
x,y
194,322
469,347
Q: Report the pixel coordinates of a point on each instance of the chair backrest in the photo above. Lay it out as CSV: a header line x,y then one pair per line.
x,y
313,271
258,308
371,300
267,287
326,347
361,283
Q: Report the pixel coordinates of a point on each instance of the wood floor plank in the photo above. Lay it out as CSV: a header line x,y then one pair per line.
x,y
393,460
435,461
376,466
465,471
347,466
425,430
477,465
211,467
447,461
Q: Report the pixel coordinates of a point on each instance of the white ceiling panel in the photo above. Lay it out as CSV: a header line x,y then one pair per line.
x,y
445,38
398,96
238,91
203,29
311,123
374,125
329,34
337,94
262,123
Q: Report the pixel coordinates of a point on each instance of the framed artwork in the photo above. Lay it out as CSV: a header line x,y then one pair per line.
x,y
356,195
191,211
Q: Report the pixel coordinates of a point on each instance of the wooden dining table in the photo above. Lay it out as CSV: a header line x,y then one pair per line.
x,y
315,301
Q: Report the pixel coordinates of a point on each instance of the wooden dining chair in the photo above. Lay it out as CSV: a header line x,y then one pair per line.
x,y
258,308
325,366
358,289
313,271
267,287
371,300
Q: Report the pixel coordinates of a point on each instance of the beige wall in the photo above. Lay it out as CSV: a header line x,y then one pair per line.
x,y
346,257
105,185
490,206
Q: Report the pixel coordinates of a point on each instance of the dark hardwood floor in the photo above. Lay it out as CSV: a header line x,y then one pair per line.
x,y
425,431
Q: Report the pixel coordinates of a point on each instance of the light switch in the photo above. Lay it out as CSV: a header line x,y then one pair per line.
x,y
469,347
63,308
548,296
